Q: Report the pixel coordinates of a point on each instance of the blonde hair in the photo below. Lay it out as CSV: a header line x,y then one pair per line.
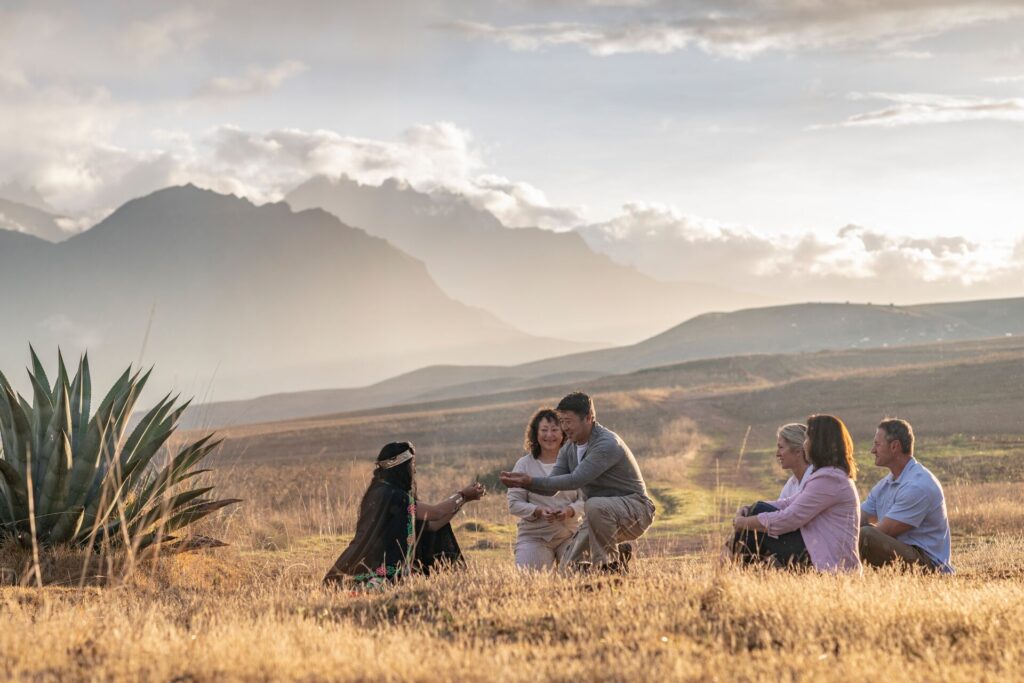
x,y
793,434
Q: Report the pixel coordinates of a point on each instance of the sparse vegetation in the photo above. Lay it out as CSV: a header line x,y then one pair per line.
x,y
256,611
75,476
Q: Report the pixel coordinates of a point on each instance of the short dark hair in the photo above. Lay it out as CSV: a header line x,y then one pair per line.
x,y
896,429
579,403
830,444
531,442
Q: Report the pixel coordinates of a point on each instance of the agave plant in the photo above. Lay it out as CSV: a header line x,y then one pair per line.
x,y
71,477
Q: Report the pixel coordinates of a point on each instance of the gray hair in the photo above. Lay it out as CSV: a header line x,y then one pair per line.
x,y
793,434
896,429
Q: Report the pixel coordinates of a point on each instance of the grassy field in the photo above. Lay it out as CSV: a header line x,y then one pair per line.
x,y
256,611
246,616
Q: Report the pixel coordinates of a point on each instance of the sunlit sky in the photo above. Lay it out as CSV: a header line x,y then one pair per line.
x,y
792,118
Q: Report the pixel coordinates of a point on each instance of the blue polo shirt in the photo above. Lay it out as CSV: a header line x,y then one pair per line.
x,y
915,498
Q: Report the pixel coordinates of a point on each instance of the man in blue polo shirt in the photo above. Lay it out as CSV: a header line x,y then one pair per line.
x,y
905,513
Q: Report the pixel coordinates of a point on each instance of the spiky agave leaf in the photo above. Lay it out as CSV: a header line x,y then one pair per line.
x,y
90,482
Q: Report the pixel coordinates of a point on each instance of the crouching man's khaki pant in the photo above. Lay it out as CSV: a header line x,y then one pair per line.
x,y
607,522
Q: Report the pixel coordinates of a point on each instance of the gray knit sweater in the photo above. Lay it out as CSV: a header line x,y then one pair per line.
x,y
608,469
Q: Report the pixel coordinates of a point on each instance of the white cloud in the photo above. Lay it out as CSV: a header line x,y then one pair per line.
x,y
1005,79
275,160
70,159
914,54
175,31
65,154
430,157
742,30
518,204
671,245
256,80
921,108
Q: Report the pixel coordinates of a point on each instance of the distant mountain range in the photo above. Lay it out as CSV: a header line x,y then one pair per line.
x,y
970,388
245,299
772,330
545,283
30,220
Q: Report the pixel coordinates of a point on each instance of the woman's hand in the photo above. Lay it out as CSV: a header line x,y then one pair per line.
x,y
743,510
559,514
473,491
542,513
747,523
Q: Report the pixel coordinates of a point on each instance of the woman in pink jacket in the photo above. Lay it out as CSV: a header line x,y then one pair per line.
x,y
820,525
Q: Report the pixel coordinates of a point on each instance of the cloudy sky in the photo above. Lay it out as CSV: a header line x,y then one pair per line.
x,y
848,137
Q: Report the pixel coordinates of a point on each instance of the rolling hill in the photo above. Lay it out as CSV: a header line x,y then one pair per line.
x,y
944,389
803,328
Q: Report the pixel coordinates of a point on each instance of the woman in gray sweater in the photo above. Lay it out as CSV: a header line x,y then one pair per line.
x,y
546,522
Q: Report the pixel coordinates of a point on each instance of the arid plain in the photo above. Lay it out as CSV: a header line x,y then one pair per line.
x,y
704,435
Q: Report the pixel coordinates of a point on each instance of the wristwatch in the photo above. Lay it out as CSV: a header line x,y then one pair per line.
x,y
459,500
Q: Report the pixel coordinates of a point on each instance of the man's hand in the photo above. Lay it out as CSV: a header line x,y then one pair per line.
x,y
473,491
516,480
744,510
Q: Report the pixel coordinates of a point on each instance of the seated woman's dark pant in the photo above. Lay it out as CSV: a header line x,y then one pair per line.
x,y
787,550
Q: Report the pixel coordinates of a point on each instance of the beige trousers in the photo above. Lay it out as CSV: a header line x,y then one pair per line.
x,y
538,553
606,523
879,549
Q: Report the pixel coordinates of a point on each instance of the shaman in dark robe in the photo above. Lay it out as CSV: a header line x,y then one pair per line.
x,y
390,541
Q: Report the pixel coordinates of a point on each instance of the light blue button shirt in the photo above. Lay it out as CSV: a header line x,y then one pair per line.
x,y
916,498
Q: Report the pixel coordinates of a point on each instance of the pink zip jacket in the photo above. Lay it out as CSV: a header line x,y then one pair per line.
x,y
827,513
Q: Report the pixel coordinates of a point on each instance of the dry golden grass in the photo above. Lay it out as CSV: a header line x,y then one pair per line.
x,y
240,616
985,509
256,610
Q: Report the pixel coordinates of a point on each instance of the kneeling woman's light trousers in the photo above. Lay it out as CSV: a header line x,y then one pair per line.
x,y
538,553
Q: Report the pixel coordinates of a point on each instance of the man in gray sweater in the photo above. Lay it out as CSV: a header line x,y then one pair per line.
x,y
595,460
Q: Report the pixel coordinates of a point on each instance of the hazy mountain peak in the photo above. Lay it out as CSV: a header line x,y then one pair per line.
x,y
513,272
29,220
395,199
242,297
26,196
182,209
